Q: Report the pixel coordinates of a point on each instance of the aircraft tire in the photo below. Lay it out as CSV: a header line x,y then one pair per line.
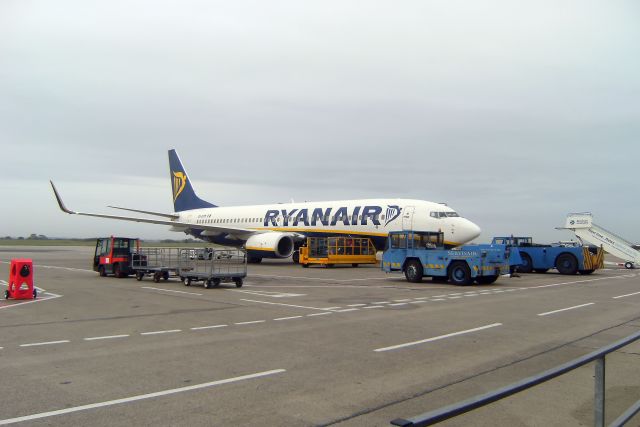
x,y
413,271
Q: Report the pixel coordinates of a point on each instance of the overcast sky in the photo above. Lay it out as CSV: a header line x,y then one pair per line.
x,y
514,113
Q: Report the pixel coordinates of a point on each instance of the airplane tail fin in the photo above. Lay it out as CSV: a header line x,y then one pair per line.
x,y
184,198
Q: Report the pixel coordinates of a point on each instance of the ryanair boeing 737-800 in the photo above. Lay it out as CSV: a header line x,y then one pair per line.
x,y
276,231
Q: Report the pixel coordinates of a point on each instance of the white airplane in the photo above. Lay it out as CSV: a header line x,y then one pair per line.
x,y
278,230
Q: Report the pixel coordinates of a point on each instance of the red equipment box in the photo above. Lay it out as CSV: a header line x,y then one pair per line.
x,y
21,280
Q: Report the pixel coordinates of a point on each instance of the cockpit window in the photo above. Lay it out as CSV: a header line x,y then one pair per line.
x,y
441,214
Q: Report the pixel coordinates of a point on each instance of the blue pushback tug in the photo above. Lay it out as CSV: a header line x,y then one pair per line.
x,y
421,254
567,258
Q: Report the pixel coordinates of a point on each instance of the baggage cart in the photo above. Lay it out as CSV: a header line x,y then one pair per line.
x,y
212,266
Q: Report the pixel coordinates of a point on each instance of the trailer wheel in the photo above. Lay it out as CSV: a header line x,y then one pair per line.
x,y
35,293
541,270
459,273
585,272
567,264
102,272
139,275
216,282
207,284
238,282
413,271
156,276
187,281
295,257
628,265
117,271
305,265
486,280
165,275
6,294
527,264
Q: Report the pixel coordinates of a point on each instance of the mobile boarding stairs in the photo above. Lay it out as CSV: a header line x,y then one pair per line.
x,y
584,228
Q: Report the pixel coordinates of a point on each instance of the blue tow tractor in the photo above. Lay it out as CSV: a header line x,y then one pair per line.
x,y
422,254
567,258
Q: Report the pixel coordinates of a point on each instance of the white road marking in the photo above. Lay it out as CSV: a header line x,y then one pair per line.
x,y
421,298
199,328
398,304
267,293
498,292
318,314
34,344
356,305
287,305
627,295
402,300
106,337
331,308
30,302
454,297
438,299
250,323
170,331
472,295
565,309
382,302
346,310
418,302
170,290
139,397
438,296
290,317
323,279
374,306
468,331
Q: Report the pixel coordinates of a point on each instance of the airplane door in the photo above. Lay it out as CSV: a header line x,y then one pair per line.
x,y
407,217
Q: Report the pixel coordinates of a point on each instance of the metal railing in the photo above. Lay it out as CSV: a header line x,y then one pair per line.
x,y
598,356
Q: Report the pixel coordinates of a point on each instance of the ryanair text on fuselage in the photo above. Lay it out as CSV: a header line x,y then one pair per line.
x,y
359,216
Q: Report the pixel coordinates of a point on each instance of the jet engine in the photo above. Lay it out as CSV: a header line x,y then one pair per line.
x,y
269,245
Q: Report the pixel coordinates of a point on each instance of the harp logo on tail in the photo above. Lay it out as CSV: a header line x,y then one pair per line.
x,y
393,212
179,182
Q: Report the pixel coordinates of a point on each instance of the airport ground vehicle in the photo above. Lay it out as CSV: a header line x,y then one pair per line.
x,y
420,254
219,265
567,258
114,255
585,229
329,251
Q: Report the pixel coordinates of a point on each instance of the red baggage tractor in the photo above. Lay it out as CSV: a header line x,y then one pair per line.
x,y
21,280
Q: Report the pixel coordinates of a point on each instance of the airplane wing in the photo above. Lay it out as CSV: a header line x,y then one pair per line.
x,y
164,215
178,226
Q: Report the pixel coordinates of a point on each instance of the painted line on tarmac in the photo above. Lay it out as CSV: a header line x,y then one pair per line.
x,y
200,328
319,314
627,295
250,323
36,344
565,309
57,267
290,317
170,331
139,397
324,279
287,305
268,293
454,334
30,302
108,337
170,290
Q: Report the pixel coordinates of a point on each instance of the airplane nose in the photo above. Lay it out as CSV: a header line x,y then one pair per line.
x,y
471,231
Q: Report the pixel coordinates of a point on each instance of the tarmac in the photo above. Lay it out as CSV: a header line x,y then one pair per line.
x,y
304,347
